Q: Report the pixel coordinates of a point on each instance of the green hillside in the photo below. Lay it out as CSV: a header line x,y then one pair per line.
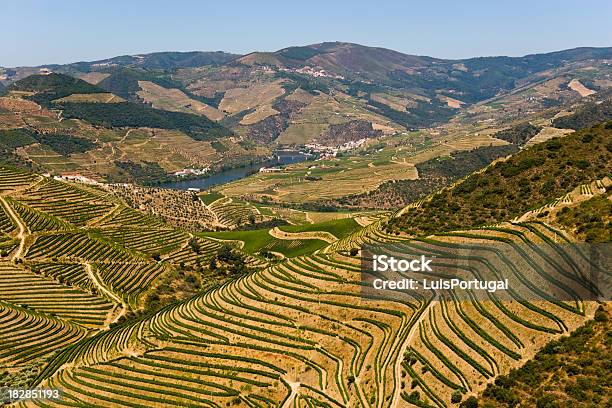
x,y
591,220
507,189
433,175
159,60
124,81
586,116
128,114
53,86
13,138
61,143
518,134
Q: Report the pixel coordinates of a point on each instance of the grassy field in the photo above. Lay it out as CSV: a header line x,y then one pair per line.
x,y
257,240
339,228
92,98
209,198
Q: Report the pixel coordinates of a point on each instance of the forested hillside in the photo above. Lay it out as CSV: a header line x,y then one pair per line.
x,y
47,88
525,181
128,114
586,116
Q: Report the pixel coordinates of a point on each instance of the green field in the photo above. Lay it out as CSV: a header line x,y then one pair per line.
x,y
339,228
209,198
257,240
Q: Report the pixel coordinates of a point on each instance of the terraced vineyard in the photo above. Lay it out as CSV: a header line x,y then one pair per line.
x,y
231,213
21,287
300,333
74,261
299,330
28,335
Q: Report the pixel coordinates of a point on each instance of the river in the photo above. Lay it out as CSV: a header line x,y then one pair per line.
x,y
232,174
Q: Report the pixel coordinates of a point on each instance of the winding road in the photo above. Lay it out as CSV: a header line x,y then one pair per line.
x,y
294,388
22,234
103,289
398,363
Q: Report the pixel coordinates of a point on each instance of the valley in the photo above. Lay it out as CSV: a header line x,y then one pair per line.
x,y
147,115
129,280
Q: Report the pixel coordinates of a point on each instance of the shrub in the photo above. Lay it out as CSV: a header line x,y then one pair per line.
x,y
456,397
471,402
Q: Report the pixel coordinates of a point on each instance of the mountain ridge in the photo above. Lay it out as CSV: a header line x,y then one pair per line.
x,y
323,46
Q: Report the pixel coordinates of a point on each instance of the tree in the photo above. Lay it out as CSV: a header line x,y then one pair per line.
x,y
414,396
471,402
409,357
456,397
193,243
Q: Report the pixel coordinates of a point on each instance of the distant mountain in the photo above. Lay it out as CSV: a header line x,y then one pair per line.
x,y
123,81
417,91
51,91
473,79
293,95
159,60
340,59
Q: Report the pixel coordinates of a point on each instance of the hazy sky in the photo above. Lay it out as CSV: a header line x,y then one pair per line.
x,y
43,32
